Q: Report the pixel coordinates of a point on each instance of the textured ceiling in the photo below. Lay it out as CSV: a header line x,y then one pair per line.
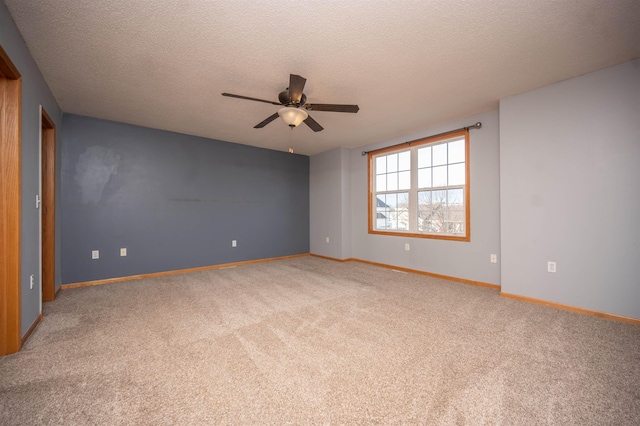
x,y
408,65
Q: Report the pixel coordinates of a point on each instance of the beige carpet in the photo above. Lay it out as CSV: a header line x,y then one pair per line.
x,y
311,341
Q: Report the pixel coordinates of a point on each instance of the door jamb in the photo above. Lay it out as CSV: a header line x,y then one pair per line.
x,y
10,202
48,202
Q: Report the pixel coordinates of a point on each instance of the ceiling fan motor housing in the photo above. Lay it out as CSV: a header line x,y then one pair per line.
x,y
286,100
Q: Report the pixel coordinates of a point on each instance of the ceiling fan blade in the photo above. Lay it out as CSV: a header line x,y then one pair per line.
x,y
332,107
313,124
266,121
296,86
231,95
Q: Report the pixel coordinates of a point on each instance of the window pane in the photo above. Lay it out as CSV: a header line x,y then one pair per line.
x,y
392,163
404,181
382,212
456,174
439,198
381,165
424,157
403,199
430,211
424,204
438,212
402,211
424,178
456,151
391,200
439,154
393,212
404,160
381,183
455,196
455,212
392,182
424,197
440,176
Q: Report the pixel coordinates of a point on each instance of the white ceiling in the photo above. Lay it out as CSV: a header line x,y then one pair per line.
x,y
409,65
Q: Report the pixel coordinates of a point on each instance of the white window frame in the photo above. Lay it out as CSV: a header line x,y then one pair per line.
x,y
413,190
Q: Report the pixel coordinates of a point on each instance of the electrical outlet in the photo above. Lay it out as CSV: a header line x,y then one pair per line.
x,y
494,258
234,243
327,240
551,267
123,251
406,246
95,254
31,281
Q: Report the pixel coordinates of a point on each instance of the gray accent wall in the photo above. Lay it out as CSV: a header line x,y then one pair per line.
x,y
174,201
35,92
570,180
344,179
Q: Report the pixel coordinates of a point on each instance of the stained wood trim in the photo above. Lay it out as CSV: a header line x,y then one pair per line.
x,y
10,201
372,208
7,69
431,274
620,318
415,235
332,258
467,186
174,272
48,206
31,329
414,271
47,122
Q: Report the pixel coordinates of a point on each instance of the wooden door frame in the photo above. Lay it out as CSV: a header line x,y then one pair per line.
x,y
10,199
48,204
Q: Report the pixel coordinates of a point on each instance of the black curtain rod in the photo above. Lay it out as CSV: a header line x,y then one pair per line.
x,y
474,126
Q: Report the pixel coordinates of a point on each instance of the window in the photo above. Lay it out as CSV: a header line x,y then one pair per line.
x,y
421,189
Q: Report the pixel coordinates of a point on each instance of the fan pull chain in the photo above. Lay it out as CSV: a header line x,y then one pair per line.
x,y
291,141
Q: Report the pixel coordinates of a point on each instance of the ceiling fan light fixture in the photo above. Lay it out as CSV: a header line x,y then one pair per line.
x,y
293,116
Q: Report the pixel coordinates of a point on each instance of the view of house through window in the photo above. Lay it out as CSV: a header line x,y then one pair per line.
x,y
421,189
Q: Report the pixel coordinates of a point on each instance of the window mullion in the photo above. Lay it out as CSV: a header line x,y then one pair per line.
x,y
413,192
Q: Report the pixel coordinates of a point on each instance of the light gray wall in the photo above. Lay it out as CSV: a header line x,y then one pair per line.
x,y
345,160
468,260
570,179
35,92
329,181
174,201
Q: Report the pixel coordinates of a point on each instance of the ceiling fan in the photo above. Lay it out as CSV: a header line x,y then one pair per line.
x,y
295,106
